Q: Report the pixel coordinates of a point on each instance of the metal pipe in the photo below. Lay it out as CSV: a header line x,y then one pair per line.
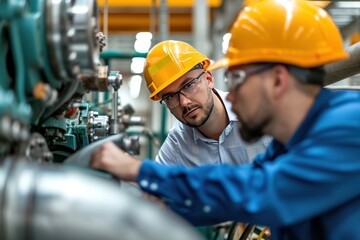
x,y
106,25
115,127
82,157
153,18
163,21
346,68
200,26
40,202
115,106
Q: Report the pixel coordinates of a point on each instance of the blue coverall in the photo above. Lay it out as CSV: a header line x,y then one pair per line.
x,y
308,188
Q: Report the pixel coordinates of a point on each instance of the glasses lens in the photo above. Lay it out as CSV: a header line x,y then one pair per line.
x,y
188,90
237,77
234,78
170,101
191,87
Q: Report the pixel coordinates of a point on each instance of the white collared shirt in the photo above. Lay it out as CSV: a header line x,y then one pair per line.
x,y
187,146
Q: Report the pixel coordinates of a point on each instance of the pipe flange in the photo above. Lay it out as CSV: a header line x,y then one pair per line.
x,y
63,59
73,44
98,126
84,42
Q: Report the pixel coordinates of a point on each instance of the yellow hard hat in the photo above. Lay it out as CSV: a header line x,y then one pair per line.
x,y
354,38
167,61
294,32
249,2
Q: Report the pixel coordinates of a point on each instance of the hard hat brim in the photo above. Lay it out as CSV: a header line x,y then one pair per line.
x,y
311,62
224,62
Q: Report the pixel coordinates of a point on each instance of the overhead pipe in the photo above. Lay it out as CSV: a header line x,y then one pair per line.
x,y
41,202
346,68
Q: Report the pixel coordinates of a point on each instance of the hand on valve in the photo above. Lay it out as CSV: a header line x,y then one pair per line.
x,y
108,157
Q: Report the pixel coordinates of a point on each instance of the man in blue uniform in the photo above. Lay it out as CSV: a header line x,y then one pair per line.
x,y
306,184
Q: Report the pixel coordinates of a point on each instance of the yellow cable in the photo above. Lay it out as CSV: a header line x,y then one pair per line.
x,y
262,233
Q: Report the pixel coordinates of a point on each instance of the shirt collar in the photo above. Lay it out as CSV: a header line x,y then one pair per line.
x,y
318,106
232,116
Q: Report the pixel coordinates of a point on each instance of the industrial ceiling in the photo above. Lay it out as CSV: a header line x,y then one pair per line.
x,y
126,18
136,16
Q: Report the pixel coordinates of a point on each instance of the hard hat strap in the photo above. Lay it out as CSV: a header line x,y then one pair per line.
x,y
308,75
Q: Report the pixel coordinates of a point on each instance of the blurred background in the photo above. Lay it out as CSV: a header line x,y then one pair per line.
x,y
71,78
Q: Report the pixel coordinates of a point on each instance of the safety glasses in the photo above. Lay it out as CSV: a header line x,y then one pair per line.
x,y
235,78
188,90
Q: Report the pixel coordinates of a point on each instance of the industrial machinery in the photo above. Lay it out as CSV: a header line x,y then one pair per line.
x,y
49,58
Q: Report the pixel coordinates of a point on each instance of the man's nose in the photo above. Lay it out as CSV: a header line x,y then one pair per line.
x,y
183,99
230,97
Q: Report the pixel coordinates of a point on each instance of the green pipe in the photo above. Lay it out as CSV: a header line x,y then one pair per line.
x,y
163,132
112,54
95,97
107,94
148,136
108,55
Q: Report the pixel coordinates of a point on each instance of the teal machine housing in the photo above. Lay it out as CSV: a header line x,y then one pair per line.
x,y
42,64
49,58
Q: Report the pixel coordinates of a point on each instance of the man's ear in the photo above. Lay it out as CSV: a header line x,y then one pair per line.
x,y
280,81
210,79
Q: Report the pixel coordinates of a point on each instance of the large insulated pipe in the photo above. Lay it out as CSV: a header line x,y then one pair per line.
x,y
82,157
42,202
346,68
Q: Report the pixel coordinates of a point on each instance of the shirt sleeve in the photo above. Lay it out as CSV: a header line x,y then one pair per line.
x,y
168,152
316,176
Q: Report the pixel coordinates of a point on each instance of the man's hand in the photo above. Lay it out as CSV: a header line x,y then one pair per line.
x,y
108,157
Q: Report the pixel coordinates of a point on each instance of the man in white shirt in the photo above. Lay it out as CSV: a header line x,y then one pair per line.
x,y
206,131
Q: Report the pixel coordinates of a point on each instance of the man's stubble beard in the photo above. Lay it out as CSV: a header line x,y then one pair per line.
x,y
251,135
208,110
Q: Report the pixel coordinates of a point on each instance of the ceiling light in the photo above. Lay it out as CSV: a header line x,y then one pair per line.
x,y
348,4
344,11
144,35
135,85
137,65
